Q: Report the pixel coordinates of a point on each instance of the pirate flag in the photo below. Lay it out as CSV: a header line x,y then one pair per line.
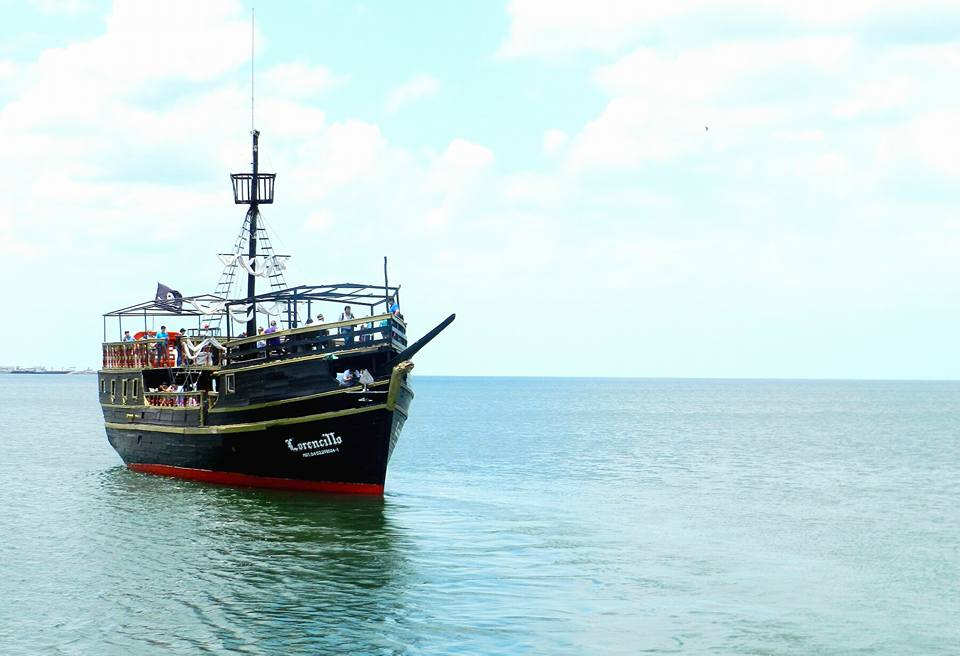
x,y
169,299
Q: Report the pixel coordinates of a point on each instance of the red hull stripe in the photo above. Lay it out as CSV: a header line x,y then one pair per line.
x,y
247,480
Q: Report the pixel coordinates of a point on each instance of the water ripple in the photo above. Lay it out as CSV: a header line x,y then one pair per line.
x,y
521,516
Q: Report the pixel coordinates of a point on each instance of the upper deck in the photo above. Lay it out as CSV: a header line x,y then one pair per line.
x,y
377,332
291,311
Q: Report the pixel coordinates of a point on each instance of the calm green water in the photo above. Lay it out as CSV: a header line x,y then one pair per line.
x,y
530,516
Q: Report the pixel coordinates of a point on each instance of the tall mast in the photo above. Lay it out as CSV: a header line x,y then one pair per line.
x,y
251,278
253,189
253,212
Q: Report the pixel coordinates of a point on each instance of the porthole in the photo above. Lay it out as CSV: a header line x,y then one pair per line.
x,y
229,383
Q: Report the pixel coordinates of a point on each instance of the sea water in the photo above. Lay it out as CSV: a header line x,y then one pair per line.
x,y
521,516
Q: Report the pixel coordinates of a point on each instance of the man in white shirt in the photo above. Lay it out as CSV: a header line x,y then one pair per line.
x,y
347,331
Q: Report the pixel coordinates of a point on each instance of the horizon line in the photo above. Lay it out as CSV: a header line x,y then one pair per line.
x,y
93,372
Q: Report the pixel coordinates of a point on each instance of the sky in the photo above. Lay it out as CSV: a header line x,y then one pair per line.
x,y
605,188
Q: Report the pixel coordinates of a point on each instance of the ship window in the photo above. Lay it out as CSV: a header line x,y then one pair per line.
x,y
229,384
113,389
123,388
103,385
136,388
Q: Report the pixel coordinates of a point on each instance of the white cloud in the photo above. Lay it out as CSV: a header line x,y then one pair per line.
x,y
321,221
799,135
700,73
453,176
545,27
62,6
420,86
632,131
828,13
932,139
299,79
554,140
461,161
9,243
345,153
875,96
831,165
667,106
76,84
542,190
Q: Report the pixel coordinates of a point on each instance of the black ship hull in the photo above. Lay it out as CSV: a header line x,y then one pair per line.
x,y
338,440
340,453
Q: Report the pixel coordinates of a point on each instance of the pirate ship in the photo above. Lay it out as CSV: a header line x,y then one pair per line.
x,y
311,405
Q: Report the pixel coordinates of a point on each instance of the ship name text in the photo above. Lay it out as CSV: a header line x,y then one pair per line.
x,y
326,440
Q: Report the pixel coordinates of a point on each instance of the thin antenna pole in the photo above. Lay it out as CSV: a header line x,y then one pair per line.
x,y
386,286
252,19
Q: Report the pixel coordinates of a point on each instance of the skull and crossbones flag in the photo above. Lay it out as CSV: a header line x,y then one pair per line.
x,y
169,299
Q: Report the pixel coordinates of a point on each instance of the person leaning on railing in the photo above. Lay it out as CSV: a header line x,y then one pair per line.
x,y
394,310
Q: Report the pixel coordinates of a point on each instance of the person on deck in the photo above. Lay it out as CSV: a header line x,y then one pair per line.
x,y
273,341
162,346
347,331
126,336
177,341
319,338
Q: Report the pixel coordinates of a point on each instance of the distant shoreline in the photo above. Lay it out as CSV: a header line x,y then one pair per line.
x,y
43,371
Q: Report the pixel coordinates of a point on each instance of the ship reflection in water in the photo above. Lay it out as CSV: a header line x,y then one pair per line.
x,y
287,567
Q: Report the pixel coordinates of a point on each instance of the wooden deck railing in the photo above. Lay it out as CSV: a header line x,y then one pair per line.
x,y
174,399
139,354
378,330
382,329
